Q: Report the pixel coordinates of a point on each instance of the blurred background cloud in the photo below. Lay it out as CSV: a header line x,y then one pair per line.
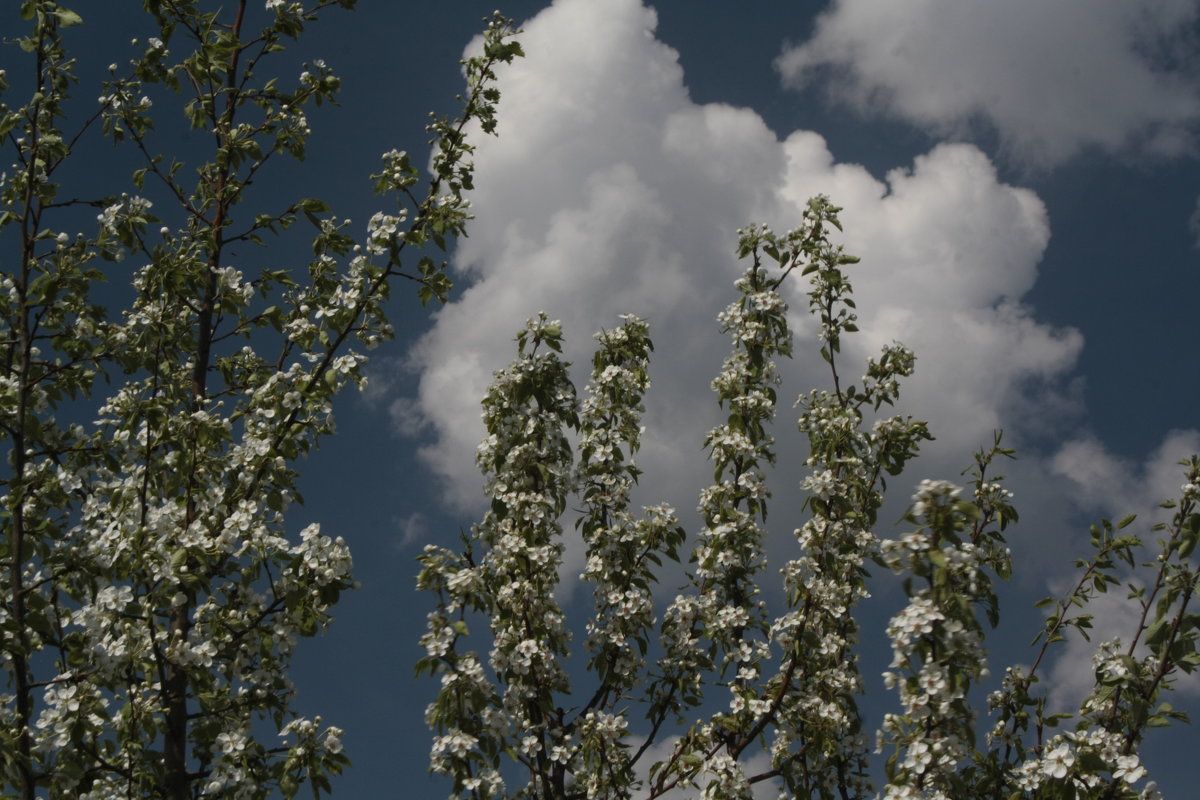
x,y
1049,79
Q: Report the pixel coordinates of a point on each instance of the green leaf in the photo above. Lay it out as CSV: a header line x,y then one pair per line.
x,y
1187,541
67,18
7,121
311,206
1157,633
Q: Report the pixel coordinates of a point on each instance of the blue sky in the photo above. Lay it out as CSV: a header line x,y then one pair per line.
x,y
1021,182
1019,185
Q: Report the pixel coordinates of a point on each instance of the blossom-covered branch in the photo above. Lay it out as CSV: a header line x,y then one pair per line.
x,y
783,660
152,591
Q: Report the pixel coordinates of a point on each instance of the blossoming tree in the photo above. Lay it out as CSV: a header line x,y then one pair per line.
x,y
735,686
150,593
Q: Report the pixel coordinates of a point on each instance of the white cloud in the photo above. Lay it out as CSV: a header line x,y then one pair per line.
x,y
1115,617
609,191
947,252
410,529
406,416
1051,78
1073,674
1115,488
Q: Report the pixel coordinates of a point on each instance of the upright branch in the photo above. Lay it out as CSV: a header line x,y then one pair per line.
x,y
937,639
528,460
722,624
819,746
511,724
623,555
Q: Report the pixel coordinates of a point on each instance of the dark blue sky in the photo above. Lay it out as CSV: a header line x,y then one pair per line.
x,y
1119,266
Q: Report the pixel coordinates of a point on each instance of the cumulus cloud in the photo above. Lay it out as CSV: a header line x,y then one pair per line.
x,y
1115,618
610,191
1115,487
1051,79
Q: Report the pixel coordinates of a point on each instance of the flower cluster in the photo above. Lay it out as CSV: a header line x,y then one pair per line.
x,y
620,548
1080,760
528,460
936,647
789,679
153,591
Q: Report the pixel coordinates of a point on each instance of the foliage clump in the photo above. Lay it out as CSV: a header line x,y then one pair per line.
x,y
151,594
737,685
